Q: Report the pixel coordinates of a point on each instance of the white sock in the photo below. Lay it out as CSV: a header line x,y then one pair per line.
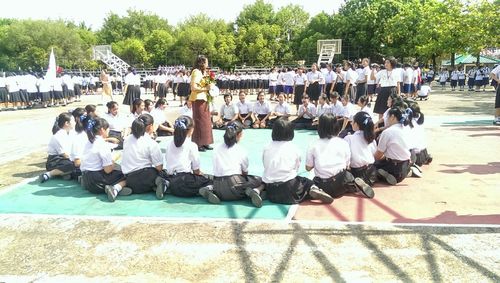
x,y
48,174
256,190
117,187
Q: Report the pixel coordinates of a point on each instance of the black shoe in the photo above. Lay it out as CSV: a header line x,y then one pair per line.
x,y
207,193
388,177
202,149
319,194
43,178
208,147
254,196
364,188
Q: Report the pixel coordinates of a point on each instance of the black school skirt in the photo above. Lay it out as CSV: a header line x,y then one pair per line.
x,y
397,168
292,191
15,96
95,181
59,162
314,90
337,185
142,180
186,184
299,91
368,173
162,90
233,187
133,92
381,103
4,95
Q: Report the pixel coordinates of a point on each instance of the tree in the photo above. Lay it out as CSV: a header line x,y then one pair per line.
x,y
131,50
258,44
304,45
256,13
192,42
157,45
482,22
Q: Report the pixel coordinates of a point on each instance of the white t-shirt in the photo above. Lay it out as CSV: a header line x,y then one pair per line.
x,y
229,161
79,142
60,143
393,143
183,159
328,157
96,155
388,79
362,153
281,161
140,153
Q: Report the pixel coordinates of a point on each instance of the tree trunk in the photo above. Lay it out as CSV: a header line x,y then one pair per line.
x,y
478,59
434,66
452,60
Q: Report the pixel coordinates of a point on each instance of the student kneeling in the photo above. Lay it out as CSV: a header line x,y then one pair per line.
x,y
231,179
142,161
329,156
98,171
281,160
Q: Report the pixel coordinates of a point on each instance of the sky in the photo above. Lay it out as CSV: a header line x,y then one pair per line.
x,y
93,12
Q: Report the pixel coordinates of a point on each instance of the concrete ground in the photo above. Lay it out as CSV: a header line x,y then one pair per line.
x,y
119,249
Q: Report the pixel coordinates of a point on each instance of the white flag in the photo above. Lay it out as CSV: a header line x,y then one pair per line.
x,y
51,70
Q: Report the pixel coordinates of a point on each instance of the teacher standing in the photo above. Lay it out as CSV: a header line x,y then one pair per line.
x,y
202,134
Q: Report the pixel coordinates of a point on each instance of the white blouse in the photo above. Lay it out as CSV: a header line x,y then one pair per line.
x,y
228,161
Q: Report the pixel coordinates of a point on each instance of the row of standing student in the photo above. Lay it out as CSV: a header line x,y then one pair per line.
x,y
142,163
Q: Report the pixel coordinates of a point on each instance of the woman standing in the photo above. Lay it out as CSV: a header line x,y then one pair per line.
x,y
202,134
388,81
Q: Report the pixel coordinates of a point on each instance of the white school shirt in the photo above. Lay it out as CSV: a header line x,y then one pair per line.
x,y
311,109
96,155
79,142
60,143
314,76
130,79
3,82
341,76
454,75
361,75
408,76
31,84
12,84
330,77
496,71
351,76
418,135
336,109
362,153
228,161
388,79
479,75
370,81
281,161
443,76
328,157
349,111
183,159
385,116
261,109
288,78
158,116
367,72
368,110
57,84
280,78
44,85
186,111
243,107
273,78
322,109
300,79
461,75
401,74
424,90
139,153
393,143
282,108
228,111
116,123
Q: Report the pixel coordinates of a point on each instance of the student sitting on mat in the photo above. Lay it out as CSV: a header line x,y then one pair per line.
x,y
80,139
330,156
363,147
99,174
244,111
281,160
182,161
261,112
305,115
323,108
228,113
59,149
231,179
142,161
418,134
162,127
393,152
281,110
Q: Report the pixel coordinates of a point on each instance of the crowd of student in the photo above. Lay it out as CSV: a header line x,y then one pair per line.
x,y
476,78
352,152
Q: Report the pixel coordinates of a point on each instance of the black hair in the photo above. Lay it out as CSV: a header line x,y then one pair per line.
x,y
282,130
365,124
335,95
91,108
233,129
136,104
94,125
181,127
325,98
79,114
160,102
147,103
199,62
140,124
111,105
228,95
364,100
328,126
416,114
60,121
401,114
392,61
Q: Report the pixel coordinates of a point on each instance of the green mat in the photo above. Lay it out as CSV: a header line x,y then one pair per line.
x,y
68,198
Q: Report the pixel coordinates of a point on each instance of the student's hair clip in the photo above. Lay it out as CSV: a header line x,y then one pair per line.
x,y
179,123
231,126
90,124
83,117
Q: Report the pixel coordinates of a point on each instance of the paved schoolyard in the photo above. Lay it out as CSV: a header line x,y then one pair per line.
x,y
399,240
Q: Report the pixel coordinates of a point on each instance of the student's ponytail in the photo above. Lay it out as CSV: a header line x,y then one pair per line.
x,y
110,105
181,127
60,121
417,113
365,124
140,124
79,115
401,114
93,126
233,129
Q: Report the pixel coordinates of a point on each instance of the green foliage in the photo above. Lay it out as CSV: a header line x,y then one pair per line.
x,y
157,44
256,13
131,50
